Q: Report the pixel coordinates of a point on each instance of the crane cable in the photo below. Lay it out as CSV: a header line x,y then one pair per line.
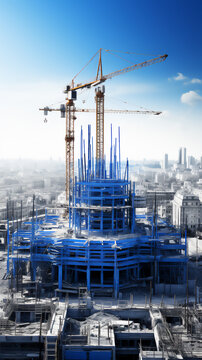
x,y
131,53
85,65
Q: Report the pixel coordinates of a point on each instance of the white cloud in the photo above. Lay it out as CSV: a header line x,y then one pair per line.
x,y
191,98
196,81
179,77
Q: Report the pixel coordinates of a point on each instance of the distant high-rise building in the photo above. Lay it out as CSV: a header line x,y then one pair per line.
x,y
165,161
191,161
182,158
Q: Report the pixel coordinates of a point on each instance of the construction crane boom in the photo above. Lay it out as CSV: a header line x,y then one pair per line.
x,y
98,80
109,111
136,67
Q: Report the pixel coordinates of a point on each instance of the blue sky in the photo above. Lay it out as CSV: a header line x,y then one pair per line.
x,y
45,43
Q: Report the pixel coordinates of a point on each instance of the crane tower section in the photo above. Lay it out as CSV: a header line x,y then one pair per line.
x,y
69,148
99,99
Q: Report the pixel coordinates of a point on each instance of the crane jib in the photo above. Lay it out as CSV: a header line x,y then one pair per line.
x,y
119,72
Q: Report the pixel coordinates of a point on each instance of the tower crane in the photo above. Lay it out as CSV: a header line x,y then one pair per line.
x,y
68,110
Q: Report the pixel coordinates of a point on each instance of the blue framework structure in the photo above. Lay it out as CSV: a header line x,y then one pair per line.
x,y
104,247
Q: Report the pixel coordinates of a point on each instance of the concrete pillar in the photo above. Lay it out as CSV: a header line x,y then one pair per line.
x,y
32,316
18,316
14,268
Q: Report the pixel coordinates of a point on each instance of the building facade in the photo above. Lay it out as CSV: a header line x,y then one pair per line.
x,y
187,210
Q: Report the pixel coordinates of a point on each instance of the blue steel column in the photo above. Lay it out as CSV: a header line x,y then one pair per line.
x,y
60,277
133,209
33,273
89,189
119,144
185,265
185,242
116,274
113,213
8,246
33,264
102,274
110,173
116,279
88,267
101,217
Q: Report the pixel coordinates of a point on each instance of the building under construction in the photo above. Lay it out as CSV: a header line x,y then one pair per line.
x,y
105,246
88,280
63,271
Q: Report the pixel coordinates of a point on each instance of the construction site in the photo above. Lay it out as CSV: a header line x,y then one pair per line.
x,y
95,277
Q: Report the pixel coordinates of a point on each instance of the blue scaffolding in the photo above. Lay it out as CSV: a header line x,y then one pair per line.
x,y
104,247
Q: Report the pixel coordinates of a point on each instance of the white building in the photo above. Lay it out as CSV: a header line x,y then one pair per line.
x,y
187,210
